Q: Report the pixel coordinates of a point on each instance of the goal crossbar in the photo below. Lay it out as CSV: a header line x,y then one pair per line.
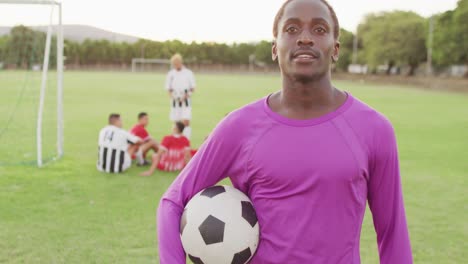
x,y
31,2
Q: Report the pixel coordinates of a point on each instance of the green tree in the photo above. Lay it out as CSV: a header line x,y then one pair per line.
x,y
450,44
241,52
346,50
460,18
445,40
263,52
3,47
22,47
394,38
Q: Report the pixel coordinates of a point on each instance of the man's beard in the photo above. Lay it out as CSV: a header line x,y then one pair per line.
x,y
305,78
308,78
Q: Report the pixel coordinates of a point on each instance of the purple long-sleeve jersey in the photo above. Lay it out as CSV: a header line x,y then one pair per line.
x,y
309,181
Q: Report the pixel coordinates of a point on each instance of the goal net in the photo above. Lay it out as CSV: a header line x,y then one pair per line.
x,y
31,77
144,64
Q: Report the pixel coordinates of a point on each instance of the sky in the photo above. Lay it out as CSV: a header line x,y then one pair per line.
x,y
200,20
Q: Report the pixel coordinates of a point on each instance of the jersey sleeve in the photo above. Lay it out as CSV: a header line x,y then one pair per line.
x,y
166,142
386,200
168,81
192,81
131,138
140,132
186,143
101,137
144,134
208,167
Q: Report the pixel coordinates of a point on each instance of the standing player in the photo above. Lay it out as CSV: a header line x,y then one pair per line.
x,y
309,156
116,146
174,152
148,142
180,83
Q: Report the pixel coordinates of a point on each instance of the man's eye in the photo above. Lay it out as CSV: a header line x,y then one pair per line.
x,y
291,29
321,30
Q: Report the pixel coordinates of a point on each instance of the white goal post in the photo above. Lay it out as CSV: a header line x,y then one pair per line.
x,y
136,61
45,67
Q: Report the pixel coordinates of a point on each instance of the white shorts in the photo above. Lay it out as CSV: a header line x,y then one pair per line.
x,y
181,110
127,162
118,167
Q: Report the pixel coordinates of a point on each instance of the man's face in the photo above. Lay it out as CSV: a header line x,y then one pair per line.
x,y
144,120
175,130
118,122
177,64
305,44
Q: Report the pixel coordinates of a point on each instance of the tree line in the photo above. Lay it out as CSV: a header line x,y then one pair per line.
x,y
395,38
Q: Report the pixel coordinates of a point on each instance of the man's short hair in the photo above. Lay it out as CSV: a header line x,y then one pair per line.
x,y
180,126
336,26
175,57
113,117
141,115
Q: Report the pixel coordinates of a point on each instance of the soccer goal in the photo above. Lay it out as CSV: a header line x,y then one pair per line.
x,y
31,82
143,64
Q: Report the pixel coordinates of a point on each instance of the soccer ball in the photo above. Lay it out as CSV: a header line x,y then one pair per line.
x,y
219,226
178,95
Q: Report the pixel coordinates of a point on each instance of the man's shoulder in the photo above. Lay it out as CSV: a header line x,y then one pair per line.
x,y
187,70
108,128
243,122
367,115
167,138
367,123
247,113
171,72
137,128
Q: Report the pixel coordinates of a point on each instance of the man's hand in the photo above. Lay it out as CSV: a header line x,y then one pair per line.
x,y
146,173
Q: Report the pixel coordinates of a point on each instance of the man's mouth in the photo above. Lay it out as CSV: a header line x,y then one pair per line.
x,y
305,56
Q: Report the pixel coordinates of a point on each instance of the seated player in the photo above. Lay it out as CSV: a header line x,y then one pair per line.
x,y
116,146
148,142
174,152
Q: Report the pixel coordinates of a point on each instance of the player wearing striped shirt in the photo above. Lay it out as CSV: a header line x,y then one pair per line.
x,y
116,146
180,83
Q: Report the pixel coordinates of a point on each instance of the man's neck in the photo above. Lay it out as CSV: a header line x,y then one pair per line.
x,y
305,99
307,95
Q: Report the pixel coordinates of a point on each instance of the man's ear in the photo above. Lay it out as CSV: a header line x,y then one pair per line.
x,y
274,52
336,51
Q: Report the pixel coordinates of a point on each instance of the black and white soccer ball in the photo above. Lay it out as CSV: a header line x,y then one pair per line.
x,y
178,95
219,226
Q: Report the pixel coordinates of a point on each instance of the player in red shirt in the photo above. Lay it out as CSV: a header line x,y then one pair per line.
x,y
174,152
149,143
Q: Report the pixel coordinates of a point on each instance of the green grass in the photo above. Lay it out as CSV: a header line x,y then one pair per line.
x,y
67,212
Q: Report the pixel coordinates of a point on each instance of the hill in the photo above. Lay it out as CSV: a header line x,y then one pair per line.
x,y
81,32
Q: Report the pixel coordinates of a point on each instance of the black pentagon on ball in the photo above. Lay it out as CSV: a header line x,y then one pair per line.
x,y
242,257
248,213
212,230
195,260
213,191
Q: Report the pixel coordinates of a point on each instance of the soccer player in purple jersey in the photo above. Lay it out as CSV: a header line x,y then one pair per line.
x,y
309,156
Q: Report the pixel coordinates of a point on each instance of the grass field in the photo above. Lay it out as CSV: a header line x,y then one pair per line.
x,y
67,212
